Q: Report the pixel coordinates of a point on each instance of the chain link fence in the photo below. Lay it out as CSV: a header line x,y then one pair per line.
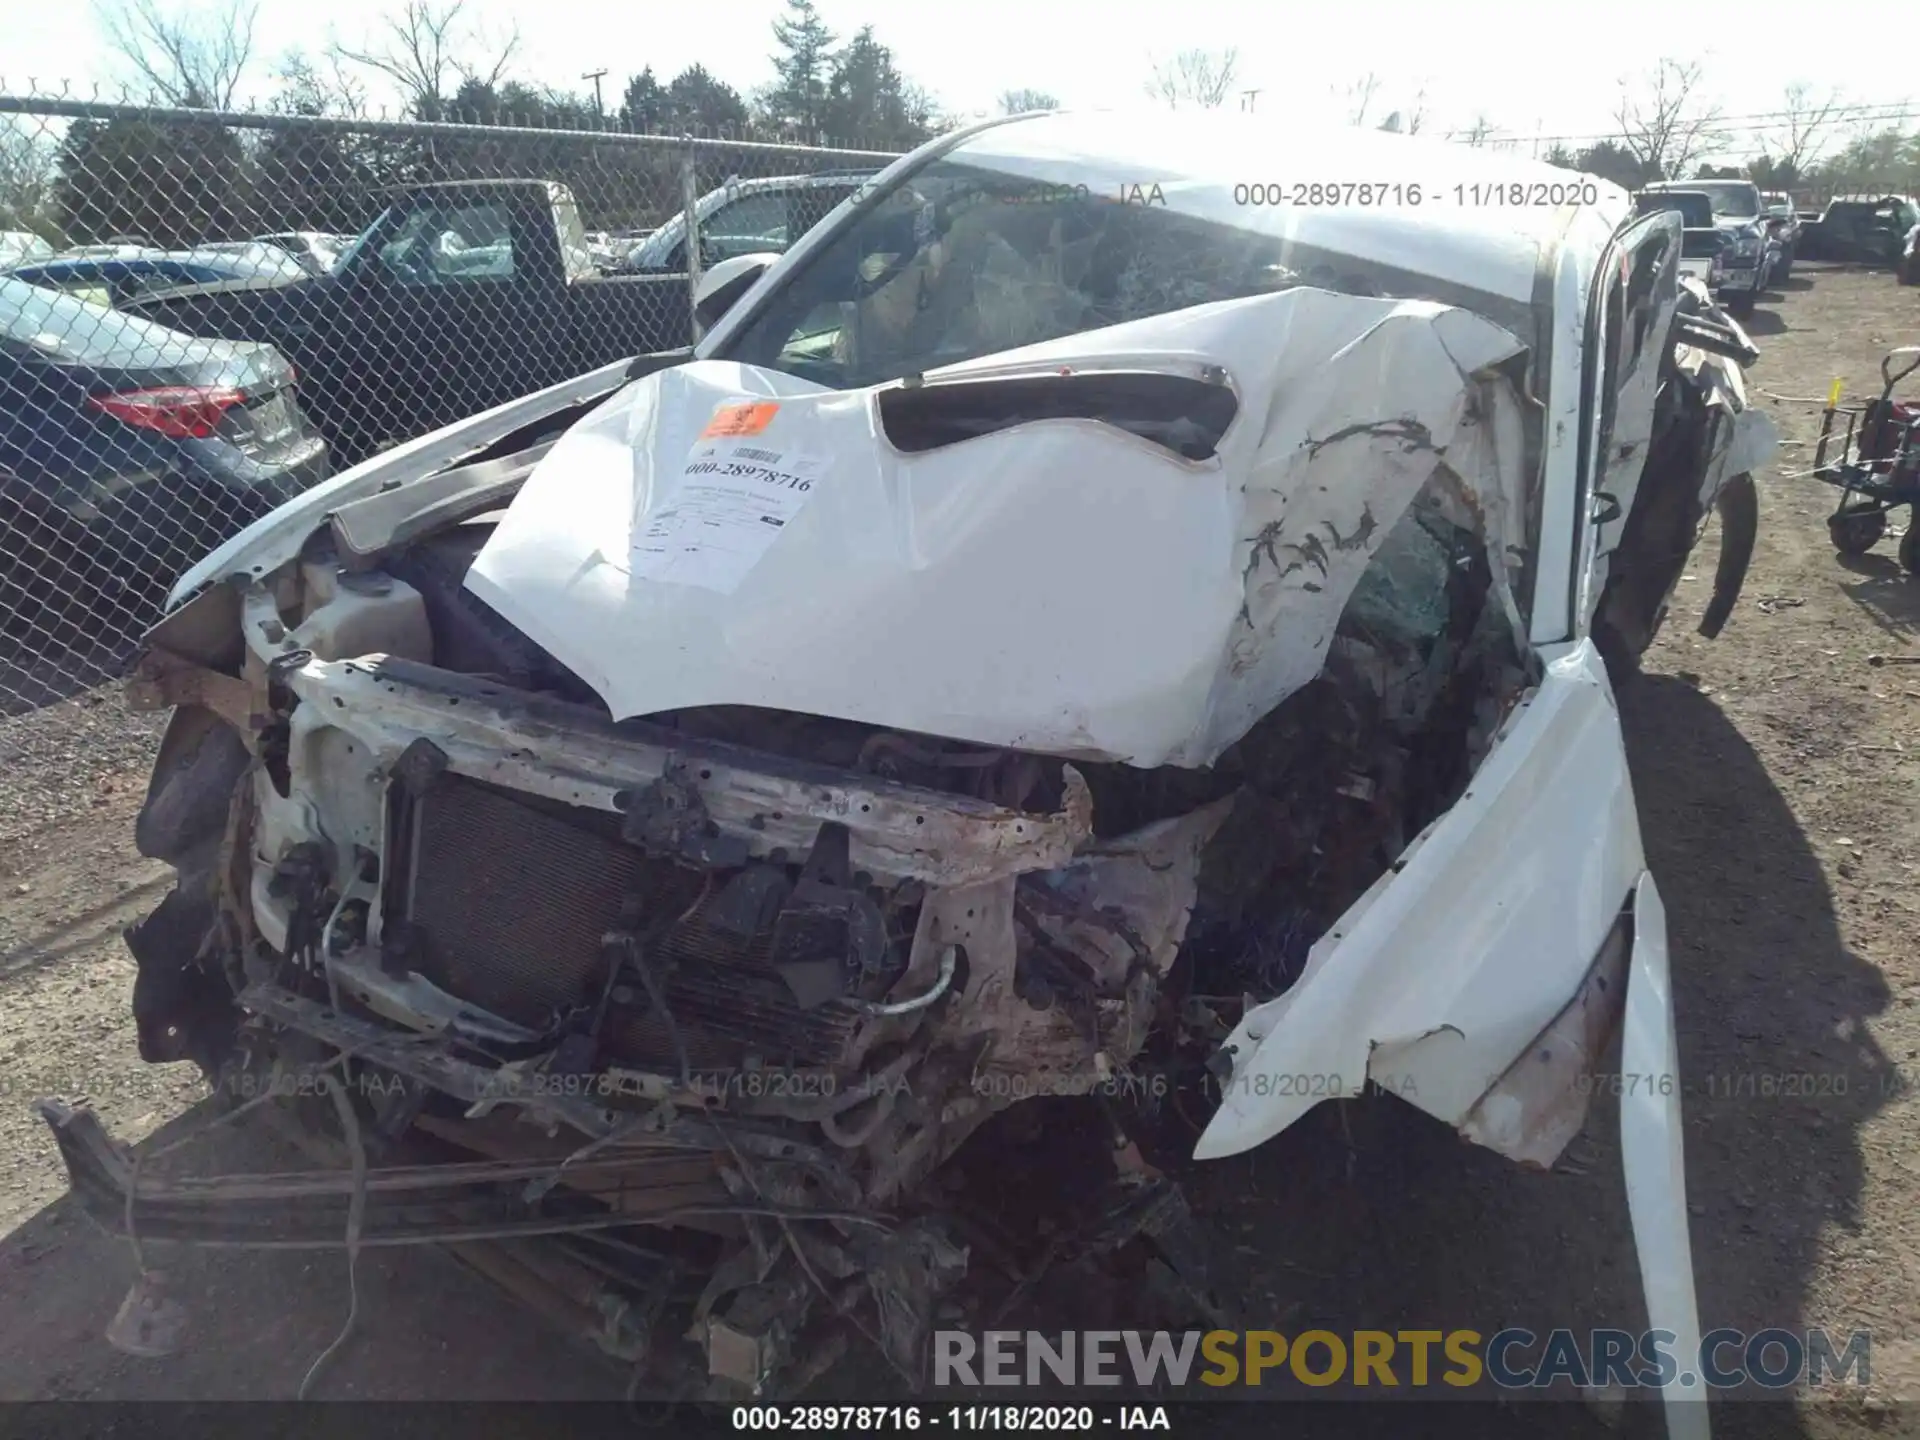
x,y
203,313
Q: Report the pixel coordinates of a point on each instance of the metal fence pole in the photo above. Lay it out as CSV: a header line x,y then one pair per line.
x,y
690,200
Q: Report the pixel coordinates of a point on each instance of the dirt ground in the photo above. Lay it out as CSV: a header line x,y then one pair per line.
x,y
1776,771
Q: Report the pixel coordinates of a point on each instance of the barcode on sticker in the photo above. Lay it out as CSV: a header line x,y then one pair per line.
x,y
765,457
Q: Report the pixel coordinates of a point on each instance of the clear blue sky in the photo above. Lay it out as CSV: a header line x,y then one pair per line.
x,y
1530,68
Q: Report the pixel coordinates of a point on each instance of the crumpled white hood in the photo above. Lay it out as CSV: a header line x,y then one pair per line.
x,y
1061,586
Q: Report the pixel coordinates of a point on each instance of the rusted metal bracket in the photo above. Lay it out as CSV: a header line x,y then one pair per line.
x,y
161,680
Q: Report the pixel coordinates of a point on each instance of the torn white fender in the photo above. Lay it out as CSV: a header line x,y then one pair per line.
x,y
1061,586
1653,1154
1745,438
1494,950
1474,944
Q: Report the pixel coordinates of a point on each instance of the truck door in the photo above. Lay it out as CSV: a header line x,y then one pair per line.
x,y
807,207
451,310
1629,320
753,223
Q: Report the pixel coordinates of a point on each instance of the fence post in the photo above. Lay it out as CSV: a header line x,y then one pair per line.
x,y
690,199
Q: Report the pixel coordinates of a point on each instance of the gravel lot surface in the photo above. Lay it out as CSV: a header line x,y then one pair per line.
x,y
1777,778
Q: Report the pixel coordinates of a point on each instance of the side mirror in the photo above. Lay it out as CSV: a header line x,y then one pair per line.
x,y
726,283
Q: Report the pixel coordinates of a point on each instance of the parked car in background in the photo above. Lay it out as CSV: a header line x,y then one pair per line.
x,y
1861,229
256,256
118,247
21,247
746,217
1703,243
317,251
1811,234
128,451
460,296
1910,257
1786,230
605,248
117,280
1752,253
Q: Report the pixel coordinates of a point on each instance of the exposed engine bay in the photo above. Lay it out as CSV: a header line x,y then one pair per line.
x,y
705,999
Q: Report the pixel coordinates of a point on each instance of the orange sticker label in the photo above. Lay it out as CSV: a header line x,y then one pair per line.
x,y
747,418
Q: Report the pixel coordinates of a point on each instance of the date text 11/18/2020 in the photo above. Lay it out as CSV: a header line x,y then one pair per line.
x,y
1327,194
899,1419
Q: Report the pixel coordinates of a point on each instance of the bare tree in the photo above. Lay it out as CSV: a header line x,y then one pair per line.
x,y
28,164
1663,121
323,86
1195,77
1021,102
1416,113
1805,131
426,51
190,56
1360,97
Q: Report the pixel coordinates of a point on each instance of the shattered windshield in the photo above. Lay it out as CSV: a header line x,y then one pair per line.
x,y
960,262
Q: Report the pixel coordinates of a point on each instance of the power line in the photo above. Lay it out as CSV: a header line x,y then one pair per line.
x,y
1772,120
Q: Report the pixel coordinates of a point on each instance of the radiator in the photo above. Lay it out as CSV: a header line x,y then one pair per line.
x,y
508,897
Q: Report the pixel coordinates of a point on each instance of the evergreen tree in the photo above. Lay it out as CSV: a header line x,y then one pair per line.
x,y
798,97
643,106
705,106
869,102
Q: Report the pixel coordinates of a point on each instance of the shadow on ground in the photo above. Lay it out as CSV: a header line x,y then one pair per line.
x,y
1780,1069
1885,593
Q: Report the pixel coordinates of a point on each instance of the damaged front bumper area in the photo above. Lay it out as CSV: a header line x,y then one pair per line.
x,y
418,874
767,1072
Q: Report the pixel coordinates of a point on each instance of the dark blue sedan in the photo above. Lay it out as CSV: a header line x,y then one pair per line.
x,y
115,279
127,451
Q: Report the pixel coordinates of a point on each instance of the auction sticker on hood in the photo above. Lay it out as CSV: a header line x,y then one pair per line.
x,y
732,501
748,417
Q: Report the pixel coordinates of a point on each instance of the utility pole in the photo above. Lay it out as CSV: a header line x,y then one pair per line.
x,y
595,75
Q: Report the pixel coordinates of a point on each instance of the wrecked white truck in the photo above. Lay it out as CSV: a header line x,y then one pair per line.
x,y
1059,621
